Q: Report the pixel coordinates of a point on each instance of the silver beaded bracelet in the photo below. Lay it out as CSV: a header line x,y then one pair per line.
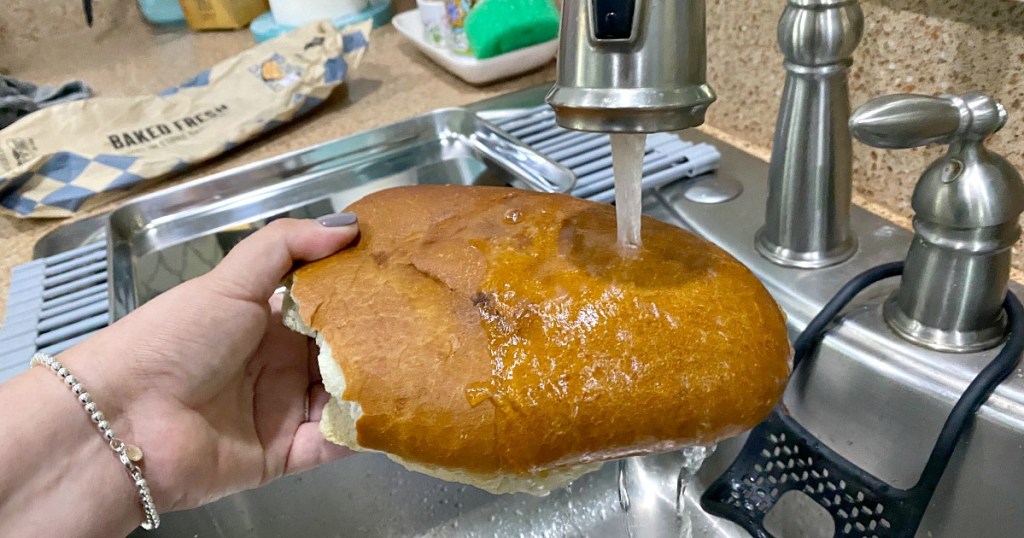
x,y
128,454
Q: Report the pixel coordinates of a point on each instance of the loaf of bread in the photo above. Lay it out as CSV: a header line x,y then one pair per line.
x,y
499,338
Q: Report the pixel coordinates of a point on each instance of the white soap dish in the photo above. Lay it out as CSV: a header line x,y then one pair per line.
x,y
468,68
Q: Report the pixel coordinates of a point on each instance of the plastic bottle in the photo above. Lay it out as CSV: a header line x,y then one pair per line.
x,y
162,11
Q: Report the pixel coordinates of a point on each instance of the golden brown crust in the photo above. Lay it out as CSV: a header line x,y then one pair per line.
x,y
498,330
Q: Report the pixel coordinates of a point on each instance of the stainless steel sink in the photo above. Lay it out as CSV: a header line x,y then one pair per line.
x,y
871,396
368,495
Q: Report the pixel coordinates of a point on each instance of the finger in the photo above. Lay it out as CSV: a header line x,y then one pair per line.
x,y
318,398
309,449
276,303
255,267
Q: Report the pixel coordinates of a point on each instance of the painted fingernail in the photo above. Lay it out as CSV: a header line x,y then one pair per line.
x,y
335,220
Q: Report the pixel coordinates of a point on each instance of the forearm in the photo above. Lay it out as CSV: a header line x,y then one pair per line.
x,y
58,475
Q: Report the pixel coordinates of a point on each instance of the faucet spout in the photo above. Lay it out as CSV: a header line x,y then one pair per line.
x,y
631,66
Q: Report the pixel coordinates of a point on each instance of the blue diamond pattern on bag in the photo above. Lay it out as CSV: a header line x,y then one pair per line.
x,y
54,161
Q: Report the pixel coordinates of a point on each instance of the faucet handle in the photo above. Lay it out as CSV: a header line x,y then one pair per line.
x,y
967,207
908,121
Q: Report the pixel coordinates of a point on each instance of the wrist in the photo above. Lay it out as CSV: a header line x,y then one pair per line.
x,y
113,392
60,472
127,455
117,382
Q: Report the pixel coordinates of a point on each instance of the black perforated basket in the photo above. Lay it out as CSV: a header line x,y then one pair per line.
x,y
781,456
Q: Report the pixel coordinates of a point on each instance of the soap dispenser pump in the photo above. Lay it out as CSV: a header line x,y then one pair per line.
x,y
967,206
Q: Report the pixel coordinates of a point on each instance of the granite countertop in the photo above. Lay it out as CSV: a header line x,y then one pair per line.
x,y
394,81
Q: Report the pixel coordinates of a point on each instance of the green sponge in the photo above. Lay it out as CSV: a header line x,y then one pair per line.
x,y
495,27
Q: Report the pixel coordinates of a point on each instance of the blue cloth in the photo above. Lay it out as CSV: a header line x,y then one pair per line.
x,y
19,99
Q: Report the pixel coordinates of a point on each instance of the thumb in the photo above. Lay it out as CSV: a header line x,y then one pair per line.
x,y
255,267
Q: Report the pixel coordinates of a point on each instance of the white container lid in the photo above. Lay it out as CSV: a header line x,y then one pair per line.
x,y
300,12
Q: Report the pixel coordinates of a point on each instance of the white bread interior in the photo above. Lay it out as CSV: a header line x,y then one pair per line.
x,y
338,425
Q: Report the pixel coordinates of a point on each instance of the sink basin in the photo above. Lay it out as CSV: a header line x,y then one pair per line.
x,y
368,495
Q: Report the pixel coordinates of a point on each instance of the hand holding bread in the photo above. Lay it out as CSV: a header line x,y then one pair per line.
x,y
489,336
207,380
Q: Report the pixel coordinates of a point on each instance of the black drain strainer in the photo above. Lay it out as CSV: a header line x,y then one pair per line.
x,y
781,456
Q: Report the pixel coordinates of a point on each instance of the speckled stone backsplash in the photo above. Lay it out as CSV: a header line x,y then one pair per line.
x,y
921,46
924,46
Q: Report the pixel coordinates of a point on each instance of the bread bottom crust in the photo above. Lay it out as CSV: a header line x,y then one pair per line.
x,y
338,425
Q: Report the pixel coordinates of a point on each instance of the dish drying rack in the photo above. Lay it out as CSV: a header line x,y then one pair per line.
x,y
58,301
589,155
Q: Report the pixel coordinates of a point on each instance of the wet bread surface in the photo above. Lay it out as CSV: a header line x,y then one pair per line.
x,y
500,332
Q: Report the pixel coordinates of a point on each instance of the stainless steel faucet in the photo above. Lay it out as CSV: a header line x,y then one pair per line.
x,y
967,206
639,66
631,66
807,223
